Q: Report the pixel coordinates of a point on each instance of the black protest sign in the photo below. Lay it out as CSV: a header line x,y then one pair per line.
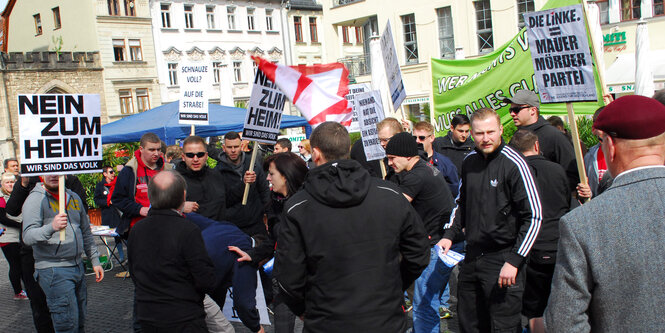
x,y
59,134
264,112
560,53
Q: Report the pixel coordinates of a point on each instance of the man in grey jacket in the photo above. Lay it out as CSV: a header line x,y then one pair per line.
x,y
58,265
610,262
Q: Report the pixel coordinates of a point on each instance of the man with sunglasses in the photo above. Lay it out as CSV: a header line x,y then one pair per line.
x,y
524,109
110,214
205,187
423,132
611,249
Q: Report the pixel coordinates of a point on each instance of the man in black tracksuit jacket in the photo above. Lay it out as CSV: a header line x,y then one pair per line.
x,y
554,192
350,246
499,208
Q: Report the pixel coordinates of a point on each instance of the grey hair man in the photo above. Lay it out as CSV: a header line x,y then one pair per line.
x,y
611,249
165,236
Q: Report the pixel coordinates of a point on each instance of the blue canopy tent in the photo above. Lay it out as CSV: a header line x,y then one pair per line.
x,y
163,121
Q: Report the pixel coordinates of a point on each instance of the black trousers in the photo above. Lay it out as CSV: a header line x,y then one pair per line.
x,y
41,315
482,305
12,252
193,326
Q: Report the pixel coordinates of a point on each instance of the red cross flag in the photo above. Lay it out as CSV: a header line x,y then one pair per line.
x,y
317,91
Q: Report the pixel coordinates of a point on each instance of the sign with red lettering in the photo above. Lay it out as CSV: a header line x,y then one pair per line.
x,y
562,61
59,134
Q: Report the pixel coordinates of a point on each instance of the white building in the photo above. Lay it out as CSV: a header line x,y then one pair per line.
x,y
222,33
305,32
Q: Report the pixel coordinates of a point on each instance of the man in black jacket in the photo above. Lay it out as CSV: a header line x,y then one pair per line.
x,y
554,192
424,186
338,254
205,187
233,164
499,208
456,144
168,262
554,146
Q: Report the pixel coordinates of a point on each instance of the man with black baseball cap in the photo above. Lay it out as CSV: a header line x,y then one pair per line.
x,y
424,186
524,109
611,249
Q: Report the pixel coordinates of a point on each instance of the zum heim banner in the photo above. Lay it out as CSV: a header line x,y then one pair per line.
x,y
464,86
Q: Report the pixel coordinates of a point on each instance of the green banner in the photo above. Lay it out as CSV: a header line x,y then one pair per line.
x,y
464,86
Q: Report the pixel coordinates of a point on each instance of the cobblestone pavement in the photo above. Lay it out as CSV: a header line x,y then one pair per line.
x,y
109,306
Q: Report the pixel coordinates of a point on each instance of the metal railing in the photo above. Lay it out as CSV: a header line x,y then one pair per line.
x,y
337,3
357,65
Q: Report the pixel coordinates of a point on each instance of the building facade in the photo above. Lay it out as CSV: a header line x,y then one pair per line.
x,y
224,34
304,32
619,24
120,30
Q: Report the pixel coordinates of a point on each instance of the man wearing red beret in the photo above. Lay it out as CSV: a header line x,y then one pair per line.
x,y
611,249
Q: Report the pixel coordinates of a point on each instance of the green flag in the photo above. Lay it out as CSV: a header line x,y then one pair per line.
x,y
464,86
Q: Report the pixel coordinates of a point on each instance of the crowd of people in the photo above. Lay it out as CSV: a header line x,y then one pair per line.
x,y
356,245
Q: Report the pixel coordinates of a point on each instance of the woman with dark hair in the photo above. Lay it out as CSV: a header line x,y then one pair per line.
x,y
286,173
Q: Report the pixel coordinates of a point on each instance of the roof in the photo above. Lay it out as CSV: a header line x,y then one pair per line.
x,y
305,5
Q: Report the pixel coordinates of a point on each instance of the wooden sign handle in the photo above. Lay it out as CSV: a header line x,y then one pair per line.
x,y
62,201
251,168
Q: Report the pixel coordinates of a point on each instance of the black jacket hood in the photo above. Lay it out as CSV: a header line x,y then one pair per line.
x,y
538,124
340,183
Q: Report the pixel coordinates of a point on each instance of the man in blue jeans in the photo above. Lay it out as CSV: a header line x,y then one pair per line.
x,y
58,265
424,186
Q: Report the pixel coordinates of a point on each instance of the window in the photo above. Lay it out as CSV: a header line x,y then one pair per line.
x,y
604,9
345,34
297,28
269,20
119,49
312,30
410,40
523,6
130,9
166,15
216,66
250,19
126,106
484,26
446,37
114,9
173,74
57,23
135,50
359,35
231,15
142,100
658,8
237,71
210,16
189,17
630,10
38,24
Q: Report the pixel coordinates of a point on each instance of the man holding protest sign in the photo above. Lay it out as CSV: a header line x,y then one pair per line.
x,y
524,109
58,264
499,208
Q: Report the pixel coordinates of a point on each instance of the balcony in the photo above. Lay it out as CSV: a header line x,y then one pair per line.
x,y
357,66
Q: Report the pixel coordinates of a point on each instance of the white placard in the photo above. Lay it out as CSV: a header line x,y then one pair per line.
x,y
451,258
560,53
230,311
393,72
59,134
195,79
370,113
264,111
354,91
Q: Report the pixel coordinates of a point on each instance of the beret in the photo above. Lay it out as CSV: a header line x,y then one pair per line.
x,y
632,117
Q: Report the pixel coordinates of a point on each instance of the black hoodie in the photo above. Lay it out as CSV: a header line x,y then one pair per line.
x,y
455,151
338,254
206,187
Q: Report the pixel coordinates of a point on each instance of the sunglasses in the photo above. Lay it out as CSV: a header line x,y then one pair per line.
x,y
300,147
517,109
421,137
199,154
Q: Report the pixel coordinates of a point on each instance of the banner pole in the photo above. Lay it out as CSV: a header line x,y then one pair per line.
x,y
601,75
383,169
576,143
62,201
251,168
